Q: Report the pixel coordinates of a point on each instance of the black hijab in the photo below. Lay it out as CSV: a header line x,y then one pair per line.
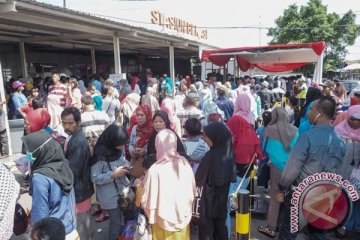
x,y
105,147
312,94
151,150
220,158
50,160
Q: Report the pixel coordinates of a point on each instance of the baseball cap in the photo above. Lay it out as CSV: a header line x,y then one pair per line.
x,y
328,83
62,75
265,84
17,84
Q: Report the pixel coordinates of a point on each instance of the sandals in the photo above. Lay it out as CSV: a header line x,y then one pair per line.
x,y
96,211
268,231
102,217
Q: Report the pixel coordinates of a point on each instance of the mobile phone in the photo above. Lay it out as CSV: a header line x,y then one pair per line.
x,y
129,167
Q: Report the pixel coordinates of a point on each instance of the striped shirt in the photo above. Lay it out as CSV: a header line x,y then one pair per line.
x,y
59,90
93,123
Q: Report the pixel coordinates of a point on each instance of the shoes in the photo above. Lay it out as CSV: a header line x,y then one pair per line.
x,y
102,217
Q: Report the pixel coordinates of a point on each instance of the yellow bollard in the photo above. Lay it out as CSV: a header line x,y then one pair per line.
x,y
243,215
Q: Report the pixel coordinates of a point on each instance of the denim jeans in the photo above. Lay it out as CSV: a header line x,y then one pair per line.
x,y
84,227
116,220
233,187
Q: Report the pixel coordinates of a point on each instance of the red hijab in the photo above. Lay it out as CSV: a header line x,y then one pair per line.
x,y
134,80
38,119
144,132
245,141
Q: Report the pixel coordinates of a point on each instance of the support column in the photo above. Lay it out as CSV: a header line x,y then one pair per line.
x,y
116,44
23,60
4,109
172,64
318,69
93,61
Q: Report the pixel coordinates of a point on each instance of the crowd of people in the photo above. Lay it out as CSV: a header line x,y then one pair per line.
x,y
173,153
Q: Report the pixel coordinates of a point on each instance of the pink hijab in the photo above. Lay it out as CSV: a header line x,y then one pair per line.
x,y
168,105
168,186
344,130
243,108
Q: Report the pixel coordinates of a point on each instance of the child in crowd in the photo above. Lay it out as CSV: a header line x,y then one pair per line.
x,y
48,228
264,170
195,146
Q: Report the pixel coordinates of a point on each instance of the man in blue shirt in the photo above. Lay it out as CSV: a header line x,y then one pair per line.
x,y
18,97
317,150
224,104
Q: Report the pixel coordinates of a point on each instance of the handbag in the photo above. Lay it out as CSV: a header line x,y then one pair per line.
x,y
355,178
143,229
20,220
126,200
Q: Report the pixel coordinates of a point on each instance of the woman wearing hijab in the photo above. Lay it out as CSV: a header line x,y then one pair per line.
x,y
36,120
54,109
134,86
108,172
51,185
243,108
160,122
167,86
168,191
311,95
210,107
168,106
124,90
150,100
247,150
129,106
349,131
214,175
139,138
342,116
281,137
231,94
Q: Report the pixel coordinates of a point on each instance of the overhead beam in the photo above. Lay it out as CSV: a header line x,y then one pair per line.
x,y
60,37
58,24
74,16
9,39
26,30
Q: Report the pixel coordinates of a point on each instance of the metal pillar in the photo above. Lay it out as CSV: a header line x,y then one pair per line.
x,y
172,65
23,60
93,61
4,109
116,43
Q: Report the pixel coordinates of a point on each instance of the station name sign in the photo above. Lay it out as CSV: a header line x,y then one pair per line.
x,y
177,24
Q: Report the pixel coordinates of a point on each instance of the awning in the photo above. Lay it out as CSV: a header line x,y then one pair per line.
x,y
272,58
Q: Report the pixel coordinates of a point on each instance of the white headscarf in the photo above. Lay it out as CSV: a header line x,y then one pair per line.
x,y
131,103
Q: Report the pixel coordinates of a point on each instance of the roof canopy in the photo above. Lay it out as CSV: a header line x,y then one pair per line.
x,y
48,26
272,58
